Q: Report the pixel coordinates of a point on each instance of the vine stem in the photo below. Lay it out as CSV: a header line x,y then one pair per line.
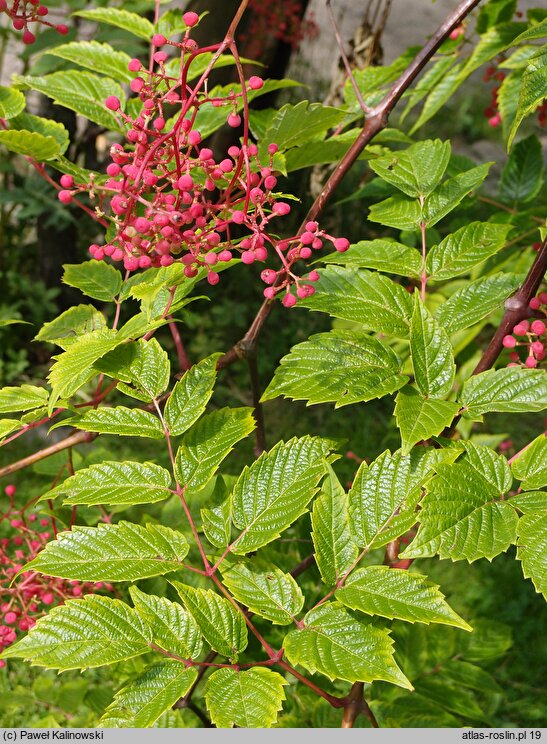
x,y
376,120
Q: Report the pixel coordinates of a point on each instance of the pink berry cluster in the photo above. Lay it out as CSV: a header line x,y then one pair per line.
x,y
25,601
529,336
169,198
281,19
23,12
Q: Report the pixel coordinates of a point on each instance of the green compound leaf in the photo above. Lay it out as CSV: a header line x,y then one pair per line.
x,y
522,175
532,91
275,490
464,249
190,395
442,87
419,418
112,552
399,212
95,279
125,422
383,255
7,426
532,548
217,523
530,467
431,353
75,322
101,58
141,702
512,389
373,300
247,699
74,367
142,364
294,125
417,170
172,627
12,102
334,547
45,127
23,398
529,501
397,594
461,516
36,146
264,589
475,300
342,646
115,483
79,91
209,442
135,24
222,626
449,195
341,367
384,495
84,633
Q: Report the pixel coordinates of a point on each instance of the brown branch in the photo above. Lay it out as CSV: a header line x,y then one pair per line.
x,y
374,123
80,437
355,704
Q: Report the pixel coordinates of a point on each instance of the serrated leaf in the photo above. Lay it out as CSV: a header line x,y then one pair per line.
x,y
532,90
464,249
491,43
512,389
373,300
441,91
451,192
222,626
23,398
431,352
397,594
529,501
461,516
190,395
247,699
340,367
530,466
400,212
125,422
135,24
427,82
295,124
141,702
78,91
209,442
34,145
532,549
419,418
74,367
384,495
522,175
172,627
264,589
341,646
115,483
537,31
112,552
417,170
95,279
7,426
508,100
84,633
95,56
475,300
12,102
495,12
334,547
217,521
275,490
76,321
383,255
143,364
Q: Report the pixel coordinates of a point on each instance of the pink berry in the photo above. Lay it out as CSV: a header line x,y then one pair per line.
x,y
537,347
305,252
289,300
509,342
341,244
225,256
313,276
311,227
457,32
158,40
534,303
10,490
234,120
194,137
44,522
213,278
159,57
65,197
255,82
494,121
538,327
520,329
10,618
67,181
61,29
159,123
514,356
543,298
190,18
273,148
15,523
531,362
248,257
48,598
28,37
134,65
112,103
